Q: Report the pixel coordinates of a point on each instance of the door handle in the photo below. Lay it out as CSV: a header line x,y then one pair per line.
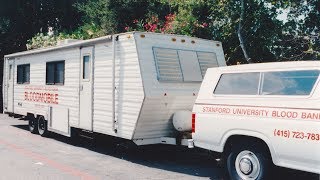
x,y
81,87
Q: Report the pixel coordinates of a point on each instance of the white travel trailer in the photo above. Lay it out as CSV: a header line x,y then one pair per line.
x,y
127,85
260,114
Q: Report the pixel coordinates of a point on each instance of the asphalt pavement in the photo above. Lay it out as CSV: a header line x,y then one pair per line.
x,y
29,156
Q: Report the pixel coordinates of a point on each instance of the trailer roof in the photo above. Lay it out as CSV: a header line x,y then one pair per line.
x,y
52,48
89,42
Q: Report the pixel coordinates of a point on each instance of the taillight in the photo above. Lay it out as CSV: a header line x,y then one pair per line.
x,y
193,122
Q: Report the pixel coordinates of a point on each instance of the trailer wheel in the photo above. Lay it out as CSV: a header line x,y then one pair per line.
x,y
248,162
42,126
33,125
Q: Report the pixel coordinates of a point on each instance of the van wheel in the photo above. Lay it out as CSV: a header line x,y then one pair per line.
x,y
33,125
250,162
42,126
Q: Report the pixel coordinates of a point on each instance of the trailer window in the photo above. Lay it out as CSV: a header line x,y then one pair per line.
x,y
289,82
238,84
10,71
86,67
55,73
168,65
207,60
23,74
190,66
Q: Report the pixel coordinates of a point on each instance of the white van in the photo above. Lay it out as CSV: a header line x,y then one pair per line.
x,y
126,85
259,115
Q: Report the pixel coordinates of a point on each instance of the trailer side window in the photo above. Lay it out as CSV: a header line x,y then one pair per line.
x,y
23,74
55,73
289,82
238,84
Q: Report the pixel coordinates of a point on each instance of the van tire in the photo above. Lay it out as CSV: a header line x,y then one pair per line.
x,y
42,126
248,162
33,125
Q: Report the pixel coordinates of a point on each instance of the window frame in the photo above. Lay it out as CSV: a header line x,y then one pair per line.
x,y
55,64
24,80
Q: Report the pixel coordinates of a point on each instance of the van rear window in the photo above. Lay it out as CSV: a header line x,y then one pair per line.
x,y
289,82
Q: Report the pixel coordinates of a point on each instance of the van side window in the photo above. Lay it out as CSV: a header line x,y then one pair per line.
x,y
55,73
23,74
289,82
238,84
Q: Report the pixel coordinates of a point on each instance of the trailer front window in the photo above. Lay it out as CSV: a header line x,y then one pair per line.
x,y
23,74
175,65
55,73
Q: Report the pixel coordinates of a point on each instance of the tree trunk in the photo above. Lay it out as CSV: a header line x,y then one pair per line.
x,y
242,45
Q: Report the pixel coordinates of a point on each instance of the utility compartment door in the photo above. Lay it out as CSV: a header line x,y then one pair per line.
x,y
86,85
59,120
9,85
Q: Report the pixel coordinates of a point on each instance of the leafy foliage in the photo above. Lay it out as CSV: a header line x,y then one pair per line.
x,y
266,36
21,20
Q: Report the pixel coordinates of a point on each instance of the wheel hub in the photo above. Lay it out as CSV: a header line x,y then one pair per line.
x,y
247,165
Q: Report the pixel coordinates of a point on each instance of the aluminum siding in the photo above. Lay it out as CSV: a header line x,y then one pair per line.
x,y
68,93
129,88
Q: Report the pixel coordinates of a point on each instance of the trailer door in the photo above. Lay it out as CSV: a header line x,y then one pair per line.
x,y
10,79
86,88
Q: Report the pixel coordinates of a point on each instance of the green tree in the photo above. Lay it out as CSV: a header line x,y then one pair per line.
x,y
250,30
21,20
301,37
252,24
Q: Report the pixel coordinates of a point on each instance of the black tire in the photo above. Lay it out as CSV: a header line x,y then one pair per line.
x,y
42,126
33,125
240,162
